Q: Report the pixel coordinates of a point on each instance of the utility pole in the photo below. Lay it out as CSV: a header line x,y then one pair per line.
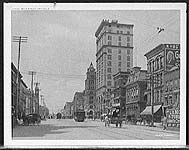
x,y
32,73
19,39
36,84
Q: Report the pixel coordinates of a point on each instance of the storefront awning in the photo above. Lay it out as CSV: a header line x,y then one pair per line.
x,y
148,110
146,93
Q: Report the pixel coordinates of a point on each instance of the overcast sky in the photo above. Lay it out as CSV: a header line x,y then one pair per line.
x,y
61,44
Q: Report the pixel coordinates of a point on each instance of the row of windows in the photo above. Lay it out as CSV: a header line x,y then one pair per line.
x,y
109,70
169,100
119,38
119,44
158,80
109,83
119,31
157,96
109,76
119,57
172,85
109,64
118,26
131,108
156,64
119,51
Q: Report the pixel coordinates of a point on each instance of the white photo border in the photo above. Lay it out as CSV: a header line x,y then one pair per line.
x,y
8,7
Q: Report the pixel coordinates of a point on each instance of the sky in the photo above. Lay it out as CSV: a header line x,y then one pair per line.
x,y
61,44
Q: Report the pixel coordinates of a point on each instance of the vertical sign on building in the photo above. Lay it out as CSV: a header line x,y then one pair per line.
x,y
172,55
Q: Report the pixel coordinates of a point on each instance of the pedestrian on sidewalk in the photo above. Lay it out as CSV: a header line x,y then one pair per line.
x,y
164,123
24,118
107,121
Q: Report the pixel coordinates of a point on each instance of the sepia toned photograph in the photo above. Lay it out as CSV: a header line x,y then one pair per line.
x,y
108,74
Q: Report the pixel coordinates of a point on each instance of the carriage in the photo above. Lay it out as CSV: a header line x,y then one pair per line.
x,y
114,117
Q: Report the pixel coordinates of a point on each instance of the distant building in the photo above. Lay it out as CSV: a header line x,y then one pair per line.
x,y
67,109
90,92
43,111
20,105
118,99
135,100
24,96
78,101
36,98
160,59
172,96
114,42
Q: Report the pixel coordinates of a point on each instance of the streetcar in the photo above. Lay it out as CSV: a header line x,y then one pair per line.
x,y
79,115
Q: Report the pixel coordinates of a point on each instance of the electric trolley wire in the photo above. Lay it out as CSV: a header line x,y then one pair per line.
x,y
71,76
169,21
141,22
154,35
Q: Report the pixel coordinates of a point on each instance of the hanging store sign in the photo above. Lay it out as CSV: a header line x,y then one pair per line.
x,y
116,104
172,55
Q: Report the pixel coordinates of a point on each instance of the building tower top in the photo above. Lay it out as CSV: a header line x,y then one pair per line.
x,y
91,67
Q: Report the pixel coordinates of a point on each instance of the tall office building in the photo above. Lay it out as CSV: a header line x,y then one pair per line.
x,y
114,53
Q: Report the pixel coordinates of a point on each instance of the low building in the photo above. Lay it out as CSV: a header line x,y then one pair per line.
x,y
19,105
43,110
24,96
135,99
172,96
78,101
159,60
118,99
67,110
36,98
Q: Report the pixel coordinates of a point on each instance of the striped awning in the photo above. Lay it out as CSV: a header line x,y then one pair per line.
x,y
148,110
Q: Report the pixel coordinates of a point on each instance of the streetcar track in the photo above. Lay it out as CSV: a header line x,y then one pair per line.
x,y
96,130
102,129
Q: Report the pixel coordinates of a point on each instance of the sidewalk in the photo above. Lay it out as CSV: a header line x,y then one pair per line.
x,y
156,126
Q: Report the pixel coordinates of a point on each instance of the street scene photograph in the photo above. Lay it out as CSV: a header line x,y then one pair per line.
x,y
96,74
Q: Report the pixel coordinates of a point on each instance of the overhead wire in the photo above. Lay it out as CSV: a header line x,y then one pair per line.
x,y
71,76
154,35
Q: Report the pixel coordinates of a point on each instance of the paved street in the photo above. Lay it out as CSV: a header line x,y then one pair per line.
x,y
68,129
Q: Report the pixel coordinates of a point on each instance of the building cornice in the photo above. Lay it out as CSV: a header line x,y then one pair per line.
x,y
154,51
106,22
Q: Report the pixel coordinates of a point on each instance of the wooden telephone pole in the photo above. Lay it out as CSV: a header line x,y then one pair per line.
x,y
19,40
